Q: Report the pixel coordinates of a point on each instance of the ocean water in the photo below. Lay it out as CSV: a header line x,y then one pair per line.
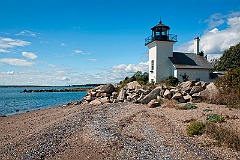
x,y
12,101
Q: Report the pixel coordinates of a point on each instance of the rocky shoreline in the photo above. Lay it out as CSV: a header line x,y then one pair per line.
x,y
189,91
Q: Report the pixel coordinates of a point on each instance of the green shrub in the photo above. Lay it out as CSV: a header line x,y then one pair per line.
x,y
188,106
215,118
142,78
195,128
223,135
171,81
229,87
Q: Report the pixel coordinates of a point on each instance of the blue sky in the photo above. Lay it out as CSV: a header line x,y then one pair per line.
x,y
64,42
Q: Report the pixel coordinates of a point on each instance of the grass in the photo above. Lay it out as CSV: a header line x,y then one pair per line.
x,y
223,135
159,101
170,103
195,128
187,106
207,110
216,118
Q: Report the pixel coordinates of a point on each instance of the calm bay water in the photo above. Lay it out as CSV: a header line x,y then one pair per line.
x,y
11,100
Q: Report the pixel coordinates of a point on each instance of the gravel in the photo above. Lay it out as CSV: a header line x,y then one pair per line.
x,y
109,131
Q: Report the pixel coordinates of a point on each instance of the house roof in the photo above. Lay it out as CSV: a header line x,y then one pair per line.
x,y
190,61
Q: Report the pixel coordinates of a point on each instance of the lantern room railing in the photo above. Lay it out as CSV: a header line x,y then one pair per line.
x,y
169,37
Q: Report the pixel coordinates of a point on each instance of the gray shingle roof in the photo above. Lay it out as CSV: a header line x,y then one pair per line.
x,y
189,60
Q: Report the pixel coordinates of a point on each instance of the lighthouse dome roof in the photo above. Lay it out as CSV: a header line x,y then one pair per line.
x,y
160,25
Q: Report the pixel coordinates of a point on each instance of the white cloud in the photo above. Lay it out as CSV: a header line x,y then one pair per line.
x,y
131,68
216,41
29,55
27,33
212,56
59,75
92,59
78,51
16,62
63,44
214,30
3,50
63,78
215,20
121,71
6,43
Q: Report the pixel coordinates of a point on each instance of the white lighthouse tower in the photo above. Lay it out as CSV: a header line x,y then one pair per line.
x,y
160,45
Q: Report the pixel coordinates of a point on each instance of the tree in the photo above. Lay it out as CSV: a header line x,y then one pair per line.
x,y
142,78
214,62
230,58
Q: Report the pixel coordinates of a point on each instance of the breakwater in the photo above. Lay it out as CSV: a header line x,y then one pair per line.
x,y
57,90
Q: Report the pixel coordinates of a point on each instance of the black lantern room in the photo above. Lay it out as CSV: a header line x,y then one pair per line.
x,y
160,32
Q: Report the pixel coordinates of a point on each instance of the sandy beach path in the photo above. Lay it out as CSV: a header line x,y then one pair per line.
x,y
109,131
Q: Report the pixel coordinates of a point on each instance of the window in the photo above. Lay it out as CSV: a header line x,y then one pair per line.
x,y
152,65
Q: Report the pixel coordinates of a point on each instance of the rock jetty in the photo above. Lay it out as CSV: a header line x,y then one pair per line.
x,y
57,90
134,92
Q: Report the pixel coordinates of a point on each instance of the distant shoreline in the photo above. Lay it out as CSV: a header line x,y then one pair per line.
x,y
29,86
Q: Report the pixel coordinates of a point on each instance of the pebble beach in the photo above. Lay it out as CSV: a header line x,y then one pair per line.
x,y
110,131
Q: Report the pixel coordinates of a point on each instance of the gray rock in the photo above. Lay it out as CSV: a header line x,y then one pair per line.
x,y
167,94
114,95
177,96
105,94
187,98
181,100
204,84
211,92
108,88
121,95
133,85
186,86
196,89
104,100
88,98
139,98
152,95
96,102
98,94
153,103
198,84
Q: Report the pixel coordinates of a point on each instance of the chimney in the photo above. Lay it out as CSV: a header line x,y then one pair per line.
x,y
196,45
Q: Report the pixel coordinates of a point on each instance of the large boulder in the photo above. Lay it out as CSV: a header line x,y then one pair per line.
x,y
152,95
210,93
186,86
108,88
133,85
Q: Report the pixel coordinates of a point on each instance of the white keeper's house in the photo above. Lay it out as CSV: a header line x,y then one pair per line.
x,y
163,62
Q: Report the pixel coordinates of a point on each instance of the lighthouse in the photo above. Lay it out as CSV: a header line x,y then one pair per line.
x,y
160,45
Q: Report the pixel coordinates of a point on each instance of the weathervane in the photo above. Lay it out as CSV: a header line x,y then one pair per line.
x,y
160,20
